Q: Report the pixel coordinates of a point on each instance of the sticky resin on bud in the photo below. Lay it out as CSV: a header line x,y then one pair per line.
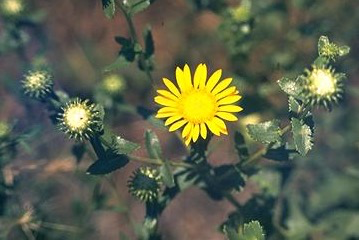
x,y
145,184
80,119
322,86
37,84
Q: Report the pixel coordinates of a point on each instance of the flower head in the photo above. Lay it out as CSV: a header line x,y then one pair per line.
x,y
145,184
37,84
11,8
80,119
198,105
322,86
113,84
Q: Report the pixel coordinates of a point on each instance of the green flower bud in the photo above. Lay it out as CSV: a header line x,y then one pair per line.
x,y
11,8
145,184
331,50
242,13
37,84
113,84
5,130
322,86
80,119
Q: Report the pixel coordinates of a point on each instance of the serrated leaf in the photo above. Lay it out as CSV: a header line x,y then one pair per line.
x,y
252,231
294,105
123,146
153,145
241,146
139,6
265,132
154,151
120,62
109,8
302,135
292,87
111,163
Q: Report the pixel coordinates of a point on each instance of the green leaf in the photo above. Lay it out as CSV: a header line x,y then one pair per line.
x,y
290,86
78,150
167,175
153,145
302,135
155,152
123,146
252,231
343,50
230,233
265,132
149,44
241,146
111,163
294,105
120,62
139,6
109,8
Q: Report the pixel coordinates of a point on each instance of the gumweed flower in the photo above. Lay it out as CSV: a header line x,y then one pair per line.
x,y
200,105
322,86
11,8
113,84
37,84
145,184
80,119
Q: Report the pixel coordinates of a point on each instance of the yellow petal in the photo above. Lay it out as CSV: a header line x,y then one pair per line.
x,y
198,75
165,101
167,109
203,76
187,78
221,125
171,87
187,129
180,79
213,80
195,132
225,93
222,85
213,128
229,100
177,125
172,119
188,140
203,130
167,94
230,108
227,116
165,115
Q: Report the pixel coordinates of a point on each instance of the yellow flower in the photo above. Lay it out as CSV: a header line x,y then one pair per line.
x,y
199,105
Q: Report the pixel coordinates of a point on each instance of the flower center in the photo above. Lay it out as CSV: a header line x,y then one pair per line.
x,y
77,118
198,106
322,82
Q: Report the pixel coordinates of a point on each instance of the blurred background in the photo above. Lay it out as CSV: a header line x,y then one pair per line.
x,y
257,44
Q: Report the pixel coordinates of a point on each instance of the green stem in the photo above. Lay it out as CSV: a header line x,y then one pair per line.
x,y
134,38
